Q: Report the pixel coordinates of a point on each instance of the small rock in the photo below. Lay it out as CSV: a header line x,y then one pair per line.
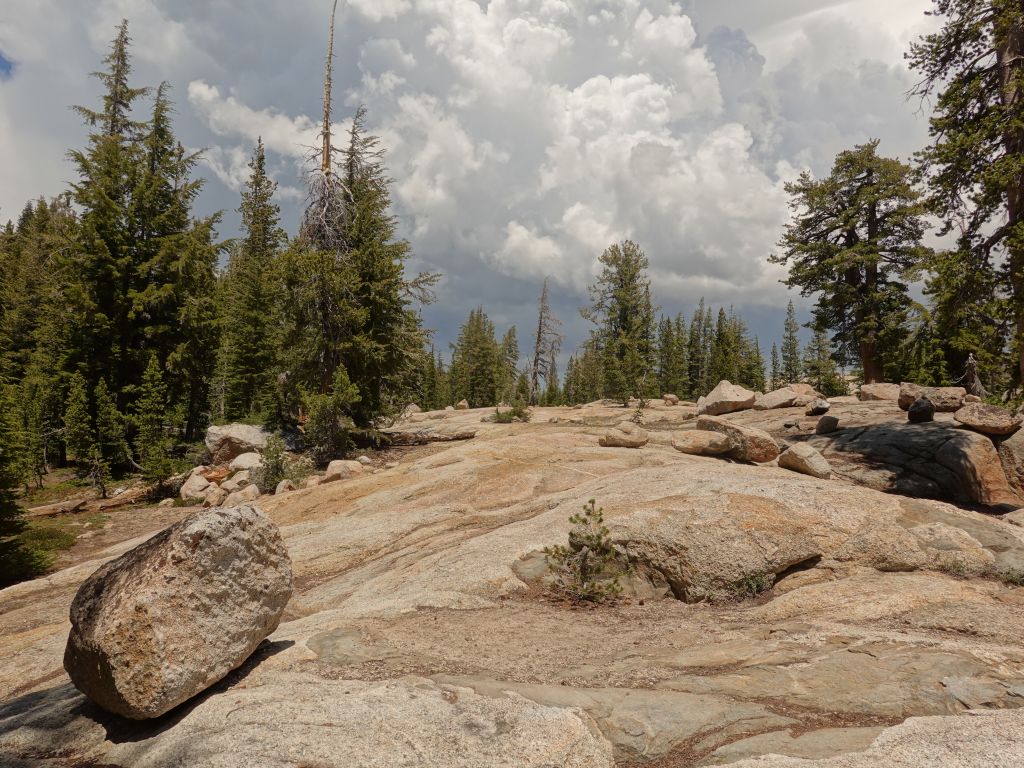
x,y
698,442
988,419
194,487
626,435
462,405
237,481
312,481
804,459
827,425
340,469
364,460
670,399
391,465
449,408
972,399
726,398
215,496
749,444
284,486
412,408
818,408
879,392
247,494
144,633
921,412
249,460
167,503
554,420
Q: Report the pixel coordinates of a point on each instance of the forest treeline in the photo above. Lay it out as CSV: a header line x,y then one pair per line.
x,y
127,326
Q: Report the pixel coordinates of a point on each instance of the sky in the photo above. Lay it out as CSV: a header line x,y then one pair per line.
x,y
524,136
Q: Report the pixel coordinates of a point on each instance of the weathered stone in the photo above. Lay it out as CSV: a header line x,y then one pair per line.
x,y
826,425
818,407
247,494
779,398
988,419
726,398
364,460
1011,455
701,443
805,389
749,444
462,405
215,496
175,614
412,408
340,469
879,392
312,481
237,481
226,442
804,459
626,435
921,411
167,503
670,399
249,460
194,487
945,399
284,486
972,399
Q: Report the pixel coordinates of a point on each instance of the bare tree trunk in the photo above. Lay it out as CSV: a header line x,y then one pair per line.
x,y
1010,56
325,160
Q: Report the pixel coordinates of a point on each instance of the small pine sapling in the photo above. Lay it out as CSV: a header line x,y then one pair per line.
x,y
585,570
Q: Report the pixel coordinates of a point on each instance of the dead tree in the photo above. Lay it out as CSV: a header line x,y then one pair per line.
x,y
970,380
546,345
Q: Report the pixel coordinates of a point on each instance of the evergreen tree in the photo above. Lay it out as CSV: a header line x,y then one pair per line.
x,y
776,372
724,352
152,444
821,367
78,432
508,367
974,67
792,365
251,318
16,562
622,311
698,361
329,423
854,238
477,364
110,427
552,390
667,356
680,380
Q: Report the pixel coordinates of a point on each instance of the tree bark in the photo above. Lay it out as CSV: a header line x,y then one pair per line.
x,y
1009,54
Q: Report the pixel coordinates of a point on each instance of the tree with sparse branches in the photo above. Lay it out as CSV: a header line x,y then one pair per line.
x,y
547,343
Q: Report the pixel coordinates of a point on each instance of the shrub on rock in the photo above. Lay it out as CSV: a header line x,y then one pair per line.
x,y
174,615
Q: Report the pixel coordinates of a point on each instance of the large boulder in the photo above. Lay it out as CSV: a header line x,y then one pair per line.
x,y
174,615
749,444
988,419
242,496
933,460
626,435
194,486
697,442
818,407
670,399
245,461
340,469
806,460
945,399
230,440
779,398
879,392
215,496
1011,456
726,398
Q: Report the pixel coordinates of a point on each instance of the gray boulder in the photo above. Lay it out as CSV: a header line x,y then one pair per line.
x,y
626,435
818,407
806,460
174,615
921,411
230,440
726,398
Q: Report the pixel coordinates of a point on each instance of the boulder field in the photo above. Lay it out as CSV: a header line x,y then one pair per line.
x,y
768,617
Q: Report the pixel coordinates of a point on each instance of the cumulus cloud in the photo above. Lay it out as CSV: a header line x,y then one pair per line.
x,y
524,136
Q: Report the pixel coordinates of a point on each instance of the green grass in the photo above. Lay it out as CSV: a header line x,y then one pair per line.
x,y
45,538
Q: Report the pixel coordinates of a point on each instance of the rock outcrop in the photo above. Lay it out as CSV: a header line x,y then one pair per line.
x,y
230,440
748,443
988,419
879,392
726,398
171,617
626,435
779,398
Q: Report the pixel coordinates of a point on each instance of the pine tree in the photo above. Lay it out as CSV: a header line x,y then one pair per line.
x,y
622,311
698,367
547,343
792,365
973,66
110,427
680,380
16,562
152,444
724,352
854,238
776,372
477,365
78,431
821,367
667,360
508,367
552,390
329,424
251,318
